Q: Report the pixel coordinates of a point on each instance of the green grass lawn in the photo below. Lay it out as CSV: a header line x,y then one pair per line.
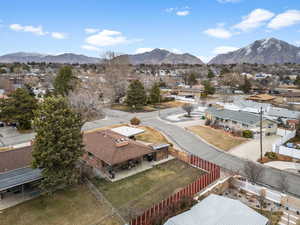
x,y
73,206
143,190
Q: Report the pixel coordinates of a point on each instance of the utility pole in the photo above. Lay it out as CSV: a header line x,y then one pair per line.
x,y
261,147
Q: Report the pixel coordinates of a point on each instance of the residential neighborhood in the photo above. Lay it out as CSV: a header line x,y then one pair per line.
x,y
150,112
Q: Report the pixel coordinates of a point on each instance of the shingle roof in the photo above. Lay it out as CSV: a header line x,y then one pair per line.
x,y
218,210
15,158
238,116
285,113
107,146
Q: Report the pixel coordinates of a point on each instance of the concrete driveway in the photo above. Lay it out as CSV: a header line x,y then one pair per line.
x,y
251,149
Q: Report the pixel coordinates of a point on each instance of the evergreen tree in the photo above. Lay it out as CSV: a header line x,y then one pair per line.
x,y
210,74
246,86
155,94
64,81
192,79
136,95
18,108
208,88
58,143
297,81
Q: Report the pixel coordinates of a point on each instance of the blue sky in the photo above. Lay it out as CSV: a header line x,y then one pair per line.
x,y
91,27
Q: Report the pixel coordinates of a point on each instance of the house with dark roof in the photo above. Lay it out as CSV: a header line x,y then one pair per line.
x,y
109,153
16,175
240,120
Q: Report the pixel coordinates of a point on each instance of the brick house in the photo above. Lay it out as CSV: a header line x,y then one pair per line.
x,y
108,152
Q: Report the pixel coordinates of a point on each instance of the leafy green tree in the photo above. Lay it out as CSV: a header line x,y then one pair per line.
x,y
136,95
64,81
58,143
246,86
208,88
18,108
155,93
297,81
210,74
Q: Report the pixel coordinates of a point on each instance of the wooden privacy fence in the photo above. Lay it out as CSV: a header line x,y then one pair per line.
x,y
213,173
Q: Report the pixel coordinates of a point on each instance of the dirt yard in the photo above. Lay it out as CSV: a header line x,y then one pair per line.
x,y
218,138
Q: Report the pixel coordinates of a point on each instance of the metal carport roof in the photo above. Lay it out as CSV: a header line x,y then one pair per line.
x,y
18,177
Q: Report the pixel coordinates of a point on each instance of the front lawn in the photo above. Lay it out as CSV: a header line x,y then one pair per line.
x,y
141,191
218,138
72,206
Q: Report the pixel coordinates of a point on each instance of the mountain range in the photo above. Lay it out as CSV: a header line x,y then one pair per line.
x,y
24,57
162,56
265,51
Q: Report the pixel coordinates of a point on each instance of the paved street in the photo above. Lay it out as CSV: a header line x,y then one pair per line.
x,y
192,144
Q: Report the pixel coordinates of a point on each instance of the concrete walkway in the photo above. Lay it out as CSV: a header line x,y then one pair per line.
x,y
251,149
289,166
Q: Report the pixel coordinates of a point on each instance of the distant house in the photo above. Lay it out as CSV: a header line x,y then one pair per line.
x,y
261,98
240,120
218,210
110,153
291,96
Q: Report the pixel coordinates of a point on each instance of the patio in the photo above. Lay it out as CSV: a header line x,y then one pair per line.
x,y
138,168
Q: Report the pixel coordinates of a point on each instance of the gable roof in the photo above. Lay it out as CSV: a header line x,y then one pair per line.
x,y
12,159
113,148
237,116
217,210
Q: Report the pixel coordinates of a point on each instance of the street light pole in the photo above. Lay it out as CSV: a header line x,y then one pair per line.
x,y
261,147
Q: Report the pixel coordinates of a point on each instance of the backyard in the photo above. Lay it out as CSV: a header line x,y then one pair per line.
x,y
218,138
136,193
73,206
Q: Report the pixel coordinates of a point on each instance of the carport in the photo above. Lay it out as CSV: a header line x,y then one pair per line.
x,y
18,181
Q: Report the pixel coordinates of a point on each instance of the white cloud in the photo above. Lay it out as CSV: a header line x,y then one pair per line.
x,y
35,30
143,50
285,19
218,32
297,43
228,1
255,19
106,38
183,13
90,48
58,35
91,30
169,10
205,59
224,49
176,51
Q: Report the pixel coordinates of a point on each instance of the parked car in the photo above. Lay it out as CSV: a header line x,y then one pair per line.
x,y
2,124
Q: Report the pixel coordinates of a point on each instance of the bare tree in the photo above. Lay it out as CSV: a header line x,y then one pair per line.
x,y
253,171
188,108
87,98
117,70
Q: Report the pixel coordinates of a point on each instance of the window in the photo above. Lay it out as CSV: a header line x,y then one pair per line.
x,y
90,154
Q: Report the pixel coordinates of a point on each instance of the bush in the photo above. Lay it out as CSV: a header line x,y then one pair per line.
x,y
207,122
271,155
247,134
135,121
